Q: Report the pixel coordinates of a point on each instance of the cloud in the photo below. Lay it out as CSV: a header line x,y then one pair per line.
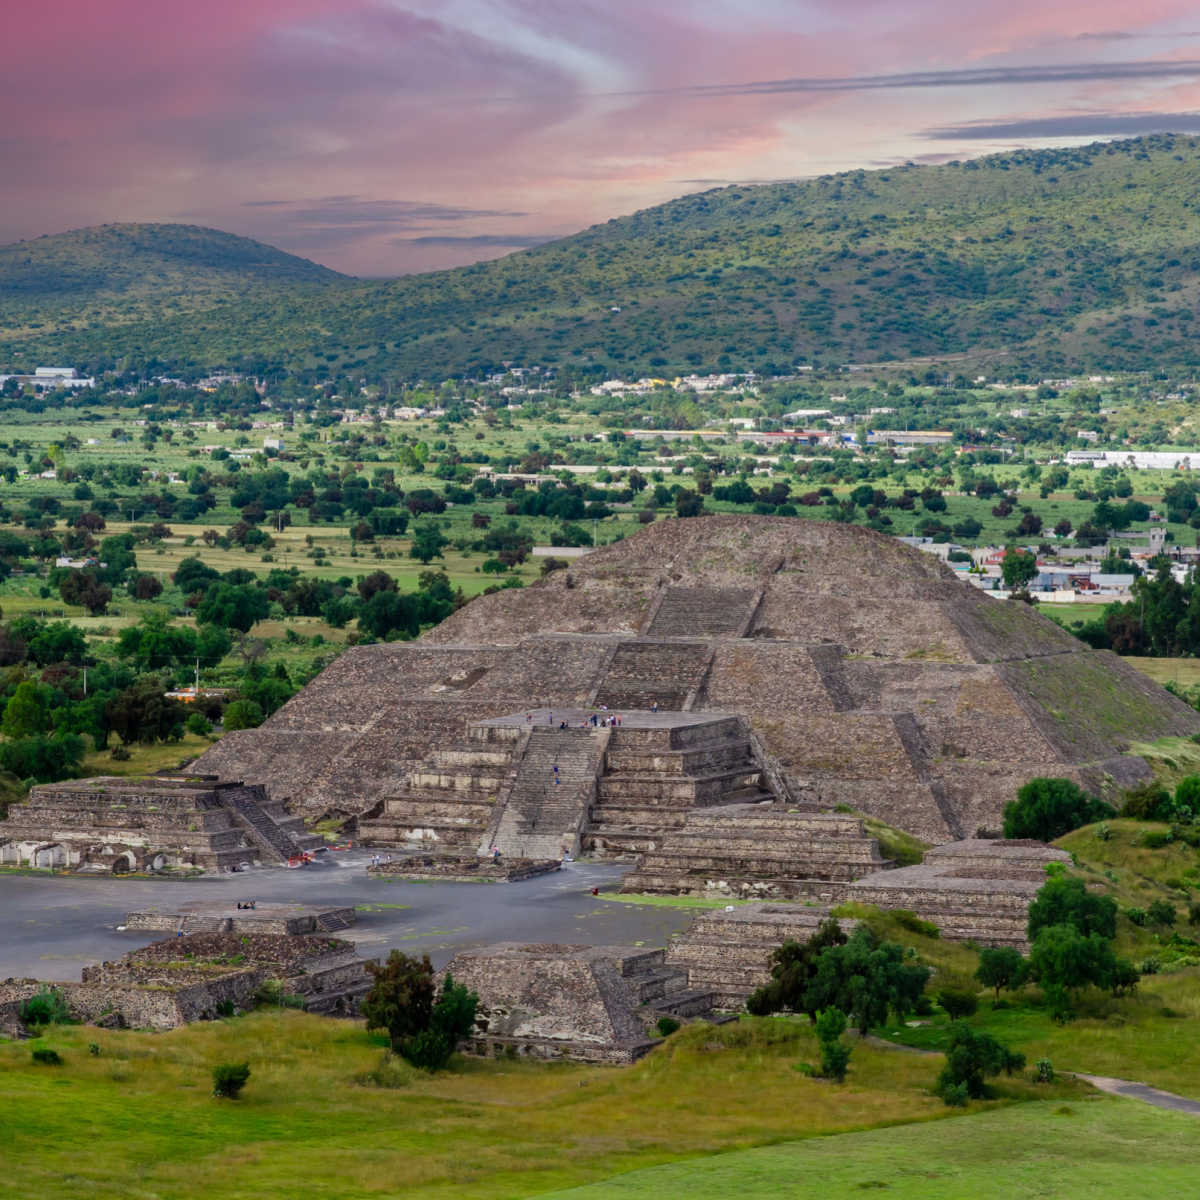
x,y
1102,124
965,77
516,240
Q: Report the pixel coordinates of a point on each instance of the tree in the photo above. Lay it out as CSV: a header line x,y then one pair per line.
x,y
389,612
793,968
145,587
144,713
451,1020
85,588
865,978
242,714
1063,960
1019,569
970,1059
689,503
428,543
1000,967
193,575
957,1002
1046,808
28,711
42,759
233,606
400,1001
1065,900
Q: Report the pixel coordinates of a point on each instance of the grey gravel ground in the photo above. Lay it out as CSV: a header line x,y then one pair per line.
x,y
51,927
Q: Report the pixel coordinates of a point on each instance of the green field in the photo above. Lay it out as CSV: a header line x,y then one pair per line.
x,y
1096,1148
137,1119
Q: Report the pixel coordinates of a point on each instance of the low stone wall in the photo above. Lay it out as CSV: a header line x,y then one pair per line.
x,y
464,869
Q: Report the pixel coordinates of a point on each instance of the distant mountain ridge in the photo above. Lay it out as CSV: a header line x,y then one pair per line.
x,y
1080,257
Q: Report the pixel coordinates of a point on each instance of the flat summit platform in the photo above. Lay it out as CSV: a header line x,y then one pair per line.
x,y
206,916
580,718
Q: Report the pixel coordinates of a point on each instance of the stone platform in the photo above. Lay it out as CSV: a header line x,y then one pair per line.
x,y
434,868
978,889
202,916
588,1003
202,976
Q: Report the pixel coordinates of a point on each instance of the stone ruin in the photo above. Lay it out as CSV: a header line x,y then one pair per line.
x,y
770,680
862,672
201,976
595,1004
161,822
213,916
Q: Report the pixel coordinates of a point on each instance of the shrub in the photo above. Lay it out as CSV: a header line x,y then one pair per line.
x,y
47,1007
1161,912
391,1072
957,1002
229,1079
198,723
1148,801
1043,1071
1194,913
94,1049
270,993
242,714
1138,916
1047,808
970,1059
47,1057
1156,839
119,754
835,1054
914,924
666,1026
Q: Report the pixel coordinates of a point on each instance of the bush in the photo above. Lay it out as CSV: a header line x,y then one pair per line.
x,y
970,1059
1194,913
47,1057
1138,916
957,1002
914,924
1043,1071
48,1007
667,1026
1161,912
835,1054
229,1079
242,714
198,723
1045,809
1149,801
1156,839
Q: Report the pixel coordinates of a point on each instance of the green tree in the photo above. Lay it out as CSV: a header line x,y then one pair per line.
x,y
1065,900
427,544
793,968
1019,569
957,1002
400,1001
28,711
1046,808
1000,967
233,606
1063,960
971,1059
144,713
242,714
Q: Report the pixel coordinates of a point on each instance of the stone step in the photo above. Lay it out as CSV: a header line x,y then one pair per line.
x,y
740,887
654,985
691,1002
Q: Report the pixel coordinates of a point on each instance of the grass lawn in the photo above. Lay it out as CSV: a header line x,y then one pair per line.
x,y
144,760
1149,1038
138,1121
1095,1148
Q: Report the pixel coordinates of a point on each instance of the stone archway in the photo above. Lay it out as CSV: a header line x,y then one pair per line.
x,y
124,863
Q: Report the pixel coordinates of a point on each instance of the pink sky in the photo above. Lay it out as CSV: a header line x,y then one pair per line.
x,y
382,136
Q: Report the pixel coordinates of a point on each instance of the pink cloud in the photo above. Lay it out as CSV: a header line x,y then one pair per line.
x,y
509,118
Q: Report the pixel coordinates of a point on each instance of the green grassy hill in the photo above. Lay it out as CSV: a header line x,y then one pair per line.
x,y
1079,257
61,288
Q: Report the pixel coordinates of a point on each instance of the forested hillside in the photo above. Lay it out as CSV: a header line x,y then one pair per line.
x,y
1079,257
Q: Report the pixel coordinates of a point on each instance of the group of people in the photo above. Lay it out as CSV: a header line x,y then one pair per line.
x,y
603,719
247,904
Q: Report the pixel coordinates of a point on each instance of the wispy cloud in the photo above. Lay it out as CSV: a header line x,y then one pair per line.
x,y
1004,76
516,240
1070,125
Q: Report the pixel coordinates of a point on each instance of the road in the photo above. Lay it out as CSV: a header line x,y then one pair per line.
x,y
51,927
